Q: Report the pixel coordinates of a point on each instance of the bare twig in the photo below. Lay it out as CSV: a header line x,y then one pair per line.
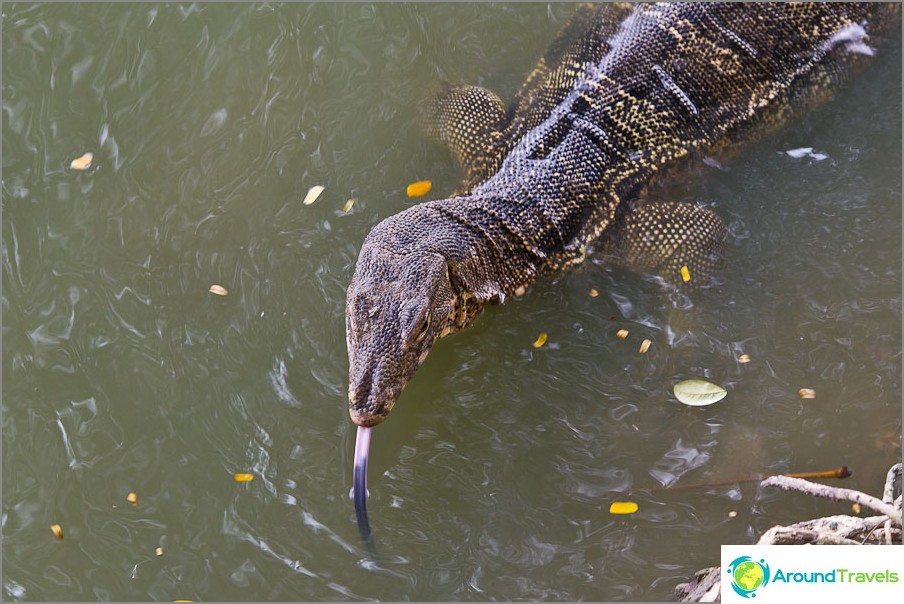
x,y
894,473
704,587
833,493
831,529
840,472
839,529
888,494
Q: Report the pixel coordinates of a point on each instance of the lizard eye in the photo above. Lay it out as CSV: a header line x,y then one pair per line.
x,y
422,329
415,321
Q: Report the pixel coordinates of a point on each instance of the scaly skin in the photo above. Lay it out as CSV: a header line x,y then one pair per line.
x,y
624,94
595,124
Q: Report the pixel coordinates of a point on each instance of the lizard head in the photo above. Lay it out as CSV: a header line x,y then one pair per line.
x,y
397,306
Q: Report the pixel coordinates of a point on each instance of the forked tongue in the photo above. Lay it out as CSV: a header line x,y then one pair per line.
x,y
359,483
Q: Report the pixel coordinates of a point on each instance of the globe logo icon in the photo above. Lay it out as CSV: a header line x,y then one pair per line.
x,y
748,575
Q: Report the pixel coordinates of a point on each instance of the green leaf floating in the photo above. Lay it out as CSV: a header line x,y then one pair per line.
x,y
698,393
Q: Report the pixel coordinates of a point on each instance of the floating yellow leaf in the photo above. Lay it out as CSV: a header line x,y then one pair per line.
x,y
621,334
82,163
593,292
57,530
348,206
519,291
244,477
419,188
855,507
132,498
183,600
313,193
806,393
622,507
698,393
541,340
159,551
218,290
685,274
645,346
744,358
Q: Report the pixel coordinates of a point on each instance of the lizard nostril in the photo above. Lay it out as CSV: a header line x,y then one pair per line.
x,y
360,390
362,393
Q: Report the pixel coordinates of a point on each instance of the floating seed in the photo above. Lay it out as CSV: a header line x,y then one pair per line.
x,y
159,551
541,340
57,530
645,346
83,162
806,393
244,477
218,290
593,292
419,188
622,507
732,514
744,358
621,334
132,498
348,206
313,193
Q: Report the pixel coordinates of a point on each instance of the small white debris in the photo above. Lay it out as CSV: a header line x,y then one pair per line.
x,y
714,163
853,36
83,162
798,153
313,193
806,152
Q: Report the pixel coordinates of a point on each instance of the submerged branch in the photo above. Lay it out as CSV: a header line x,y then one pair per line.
x,y
839,530
831,530
833,493
894,473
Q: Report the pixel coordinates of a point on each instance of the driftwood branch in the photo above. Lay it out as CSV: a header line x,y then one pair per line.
x,y
847,530
833,493
706,586
894,473
831,530
888,495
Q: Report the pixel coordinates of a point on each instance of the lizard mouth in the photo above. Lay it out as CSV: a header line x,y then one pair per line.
x,y
365,419
369,404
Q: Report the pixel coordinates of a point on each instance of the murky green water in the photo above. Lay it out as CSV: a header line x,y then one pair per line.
x,y
493,477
